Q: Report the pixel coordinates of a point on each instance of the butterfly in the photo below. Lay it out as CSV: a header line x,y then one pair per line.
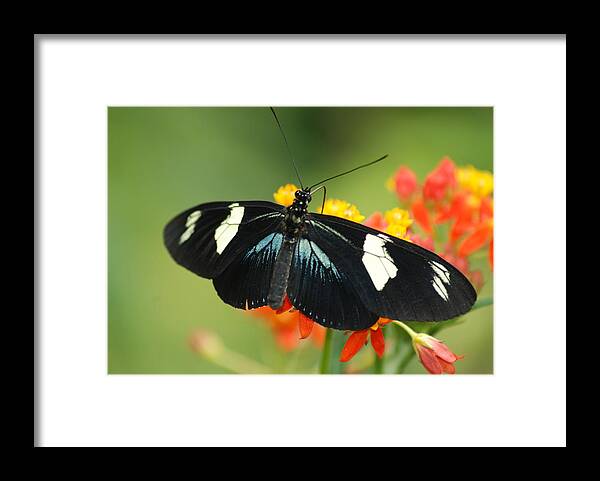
x,y
341,274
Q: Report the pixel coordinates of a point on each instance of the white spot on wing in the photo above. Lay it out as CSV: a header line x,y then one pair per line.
x,y
440,288
190,225
440,271
225,233
378,262
193,218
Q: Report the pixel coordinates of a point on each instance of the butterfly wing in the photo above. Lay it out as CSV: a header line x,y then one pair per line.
x,y
322,290
246,280
207,238
391,277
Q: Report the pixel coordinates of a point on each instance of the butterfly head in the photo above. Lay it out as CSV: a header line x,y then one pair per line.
x,y
303,197
297,211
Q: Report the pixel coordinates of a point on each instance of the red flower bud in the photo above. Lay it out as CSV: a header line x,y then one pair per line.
x,y
376,221
435,187
405,182
440,180
434,354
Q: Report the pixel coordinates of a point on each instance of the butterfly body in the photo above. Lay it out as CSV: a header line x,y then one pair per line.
x,y
293,229
341,274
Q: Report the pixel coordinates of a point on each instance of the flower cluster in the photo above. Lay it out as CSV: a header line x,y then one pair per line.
x,y
460,198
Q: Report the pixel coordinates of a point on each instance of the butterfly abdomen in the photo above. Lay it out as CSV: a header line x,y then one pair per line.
x,y
281,273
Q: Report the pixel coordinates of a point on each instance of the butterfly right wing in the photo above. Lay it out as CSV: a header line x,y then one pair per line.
x,y
392,277
207,238
321,290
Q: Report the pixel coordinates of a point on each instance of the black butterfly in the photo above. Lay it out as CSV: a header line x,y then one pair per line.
x,y
339,273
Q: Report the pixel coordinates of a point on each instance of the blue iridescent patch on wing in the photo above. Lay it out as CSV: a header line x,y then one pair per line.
x,y
272,242
310,252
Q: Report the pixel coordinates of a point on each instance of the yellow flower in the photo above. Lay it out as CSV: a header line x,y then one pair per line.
x,y
285,194
398,221
398,216
397,230
343,209
478,182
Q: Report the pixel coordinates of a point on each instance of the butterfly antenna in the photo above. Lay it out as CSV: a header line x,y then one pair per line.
x,y
287,146
347,172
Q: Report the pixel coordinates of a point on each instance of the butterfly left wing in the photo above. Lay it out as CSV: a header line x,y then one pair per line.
x,y
207,238
393,278
245,282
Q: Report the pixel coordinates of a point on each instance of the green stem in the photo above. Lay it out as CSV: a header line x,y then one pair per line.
x,y
408,330
326,354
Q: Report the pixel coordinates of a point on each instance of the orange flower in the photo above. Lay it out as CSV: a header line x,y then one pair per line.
x,y
421,215
466,208
305,325
359,338
286,323
477,238
446,212
486,211
286,306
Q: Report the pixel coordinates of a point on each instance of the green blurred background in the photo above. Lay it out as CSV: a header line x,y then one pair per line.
x,y
163,160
